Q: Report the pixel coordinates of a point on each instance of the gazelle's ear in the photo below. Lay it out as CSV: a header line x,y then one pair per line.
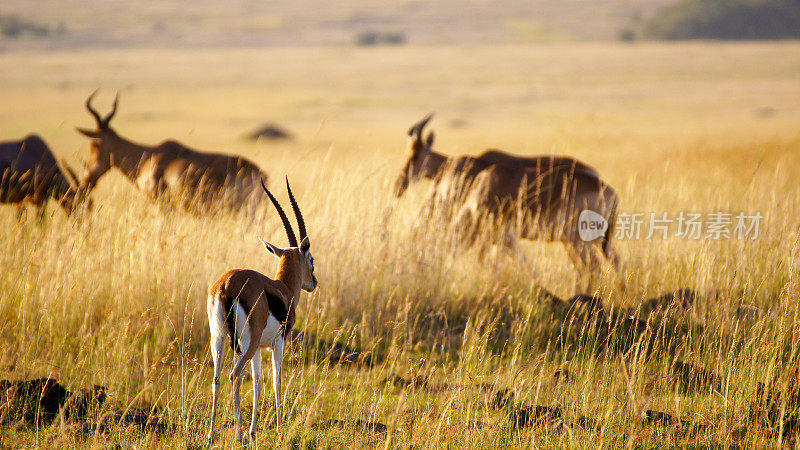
x,y
272,249
430,140
305,245
88,133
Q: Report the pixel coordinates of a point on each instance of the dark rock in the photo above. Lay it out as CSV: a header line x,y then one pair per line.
x,y
526,416
679,299
413,382
269,131
562,375
83,401
375,427
770,400
587,423
502,399
652,417
748,312
476,424
145,420
336,352
32,400
765,111
693,378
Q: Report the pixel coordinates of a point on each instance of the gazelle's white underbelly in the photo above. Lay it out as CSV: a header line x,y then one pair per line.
x,y
268,336
271,332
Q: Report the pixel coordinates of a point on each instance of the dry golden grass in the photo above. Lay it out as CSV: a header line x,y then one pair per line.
x,y
119,301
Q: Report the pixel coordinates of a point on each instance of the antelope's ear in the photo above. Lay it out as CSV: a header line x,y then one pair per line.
x,y
88,133
272,249
305,245
429,143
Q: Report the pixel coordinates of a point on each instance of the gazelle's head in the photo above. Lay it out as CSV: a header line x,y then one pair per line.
x,y
418,150
71,197
100,159
297,257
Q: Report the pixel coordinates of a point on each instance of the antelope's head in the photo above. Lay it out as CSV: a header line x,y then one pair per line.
x,y
297,258
71,197
418,150
100,159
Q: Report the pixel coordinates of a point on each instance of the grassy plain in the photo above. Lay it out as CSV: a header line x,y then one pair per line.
x,y
692,127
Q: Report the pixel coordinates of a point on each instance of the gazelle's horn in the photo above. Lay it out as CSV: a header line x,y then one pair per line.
x,y
417,128
286,224
301,224
92,111
113,111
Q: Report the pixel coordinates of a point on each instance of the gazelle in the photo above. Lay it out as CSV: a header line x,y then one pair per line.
x,y
30,173
424,162
543,205
545,194
255,311
185,176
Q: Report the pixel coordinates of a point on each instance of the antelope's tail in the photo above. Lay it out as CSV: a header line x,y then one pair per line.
x,y
227,307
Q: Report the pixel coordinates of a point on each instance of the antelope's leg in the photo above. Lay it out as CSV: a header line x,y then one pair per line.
x,y
251,347
217,348
611,255
512,244
255,365
277,361
588,255
573,251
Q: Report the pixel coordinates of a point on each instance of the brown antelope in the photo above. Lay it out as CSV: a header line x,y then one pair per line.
x,y
545,194
171,170
30,173
424,162
255,311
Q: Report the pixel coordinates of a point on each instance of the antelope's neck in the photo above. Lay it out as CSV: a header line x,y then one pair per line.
x,y
434,163
292,281
128,156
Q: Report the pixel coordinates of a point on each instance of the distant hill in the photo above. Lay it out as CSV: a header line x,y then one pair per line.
x,y
726,19
314,22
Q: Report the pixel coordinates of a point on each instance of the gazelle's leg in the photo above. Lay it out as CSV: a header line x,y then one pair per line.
x,y
588,254
511,243
250,348
255,365
574,251
574,257
612,257
217,349
277,361
219,333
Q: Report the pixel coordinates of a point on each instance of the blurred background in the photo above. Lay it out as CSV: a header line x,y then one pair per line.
x,y
112,23
681,105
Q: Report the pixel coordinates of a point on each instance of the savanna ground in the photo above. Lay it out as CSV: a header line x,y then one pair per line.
x,y
119,300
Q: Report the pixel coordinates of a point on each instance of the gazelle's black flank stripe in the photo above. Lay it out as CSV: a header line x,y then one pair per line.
x,y
276,307
230,321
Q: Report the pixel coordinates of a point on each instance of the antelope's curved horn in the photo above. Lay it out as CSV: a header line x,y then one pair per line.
x,y
113,111
301,224
417,128
92,111
286,225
